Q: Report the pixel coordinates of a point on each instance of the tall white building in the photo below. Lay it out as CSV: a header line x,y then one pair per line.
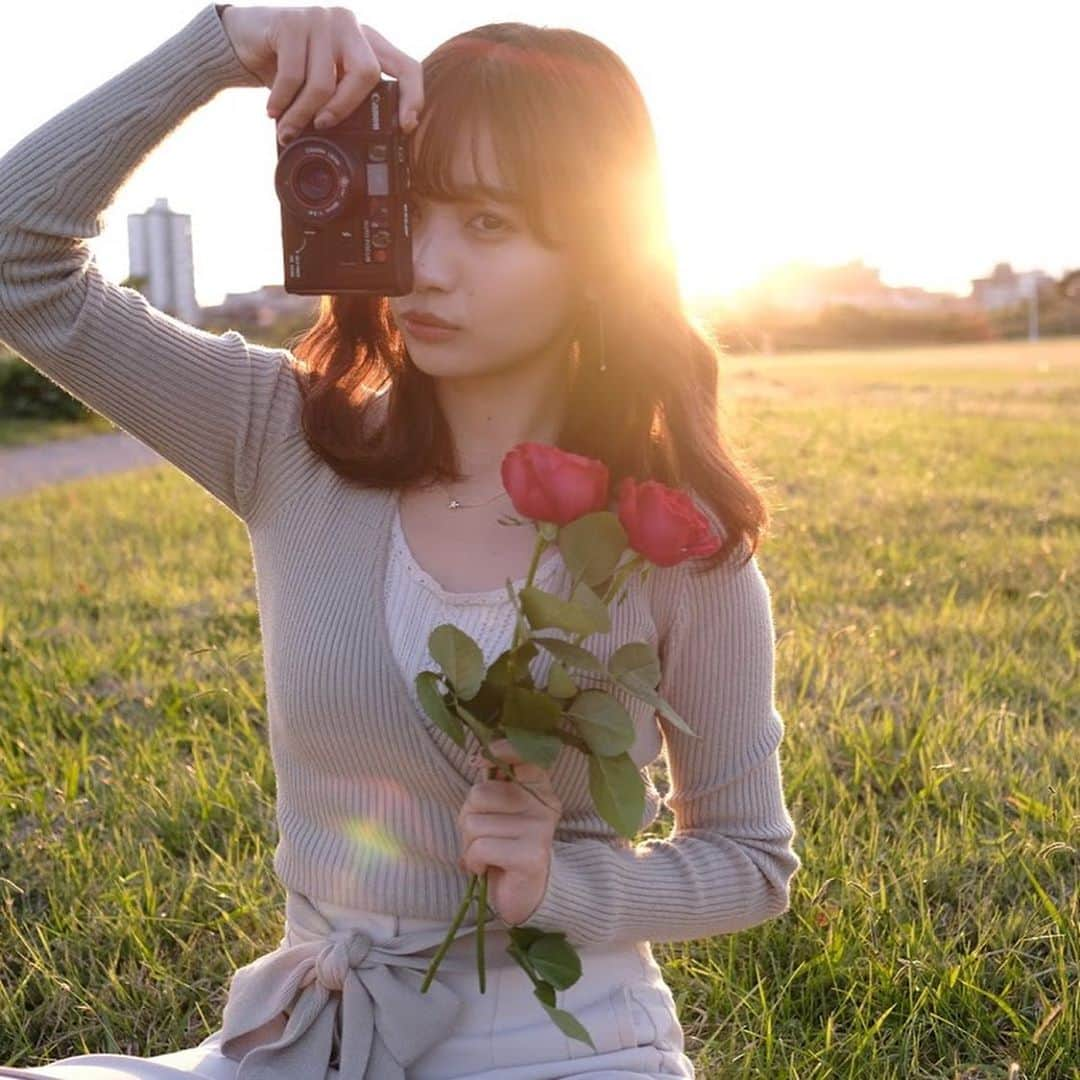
x,y
159,250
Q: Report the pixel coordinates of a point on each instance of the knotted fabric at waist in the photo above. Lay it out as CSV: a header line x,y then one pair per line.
x,y
319,972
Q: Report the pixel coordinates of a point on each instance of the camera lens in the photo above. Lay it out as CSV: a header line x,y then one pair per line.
x,y
315,181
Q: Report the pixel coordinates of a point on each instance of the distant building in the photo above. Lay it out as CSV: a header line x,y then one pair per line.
x,y
801,286
1004,287
912,298
262,306
159,252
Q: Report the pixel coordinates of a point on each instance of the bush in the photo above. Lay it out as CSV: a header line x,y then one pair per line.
x,y
25,392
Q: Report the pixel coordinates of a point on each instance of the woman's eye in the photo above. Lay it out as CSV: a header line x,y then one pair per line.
x,y
491,217
500,223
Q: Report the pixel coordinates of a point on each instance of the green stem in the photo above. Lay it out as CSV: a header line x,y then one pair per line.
x,y
538,550
478,883
436,960
481,918
482,906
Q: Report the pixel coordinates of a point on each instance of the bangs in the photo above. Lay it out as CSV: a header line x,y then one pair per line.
x,y
561,127
475,101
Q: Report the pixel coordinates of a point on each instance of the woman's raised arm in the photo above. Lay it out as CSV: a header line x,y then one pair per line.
x,y
203,401
200,400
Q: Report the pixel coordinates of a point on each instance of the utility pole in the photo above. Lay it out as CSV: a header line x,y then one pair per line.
x,y
1033,308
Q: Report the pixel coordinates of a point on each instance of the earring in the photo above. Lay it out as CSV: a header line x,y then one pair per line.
x,y
599,335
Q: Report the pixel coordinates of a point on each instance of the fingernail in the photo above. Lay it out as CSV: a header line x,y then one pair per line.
x,y
285,135
273,110
323,120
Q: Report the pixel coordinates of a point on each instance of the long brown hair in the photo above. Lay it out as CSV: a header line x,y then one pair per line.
x,y
573,137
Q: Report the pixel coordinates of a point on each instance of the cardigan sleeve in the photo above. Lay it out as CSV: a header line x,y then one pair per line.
x,y
728,861
201,400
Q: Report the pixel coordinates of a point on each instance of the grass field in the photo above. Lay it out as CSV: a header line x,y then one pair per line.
x,y
924,565
30,432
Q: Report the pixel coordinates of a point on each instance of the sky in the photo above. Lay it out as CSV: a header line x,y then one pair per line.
x,y
930,138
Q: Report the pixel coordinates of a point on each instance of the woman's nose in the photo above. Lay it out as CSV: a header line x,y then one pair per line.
x,y
433,256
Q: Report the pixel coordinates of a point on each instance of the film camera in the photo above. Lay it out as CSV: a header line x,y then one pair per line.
x,y
344,203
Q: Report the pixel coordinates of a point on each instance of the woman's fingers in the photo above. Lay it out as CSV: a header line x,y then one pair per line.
x,y
360,78
316,46
408,71
290,42
320,81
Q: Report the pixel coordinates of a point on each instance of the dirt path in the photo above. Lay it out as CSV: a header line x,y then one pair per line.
x,y
23,468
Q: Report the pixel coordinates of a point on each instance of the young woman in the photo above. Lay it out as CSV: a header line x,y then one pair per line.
x,y
365,464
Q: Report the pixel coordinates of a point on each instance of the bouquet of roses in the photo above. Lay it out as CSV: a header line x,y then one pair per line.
x,y
566,496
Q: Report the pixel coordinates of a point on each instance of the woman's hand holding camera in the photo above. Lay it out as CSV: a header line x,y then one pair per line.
x,y
320,63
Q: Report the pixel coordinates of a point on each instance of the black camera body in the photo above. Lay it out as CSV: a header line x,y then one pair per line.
x,y
344,203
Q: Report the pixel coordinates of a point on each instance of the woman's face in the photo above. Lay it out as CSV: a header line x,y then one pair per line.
x,y
478,265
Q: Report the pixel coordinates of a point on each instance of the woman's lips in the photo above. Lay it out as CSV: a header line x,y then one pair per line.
x,y
427,332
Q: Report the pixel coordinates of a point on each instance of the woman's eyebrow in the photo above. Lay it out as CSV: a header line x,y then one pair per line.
x,y
480,192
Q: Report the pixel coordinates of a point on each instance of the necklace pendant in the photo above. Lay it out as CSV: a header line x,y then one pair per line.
x,y
454,504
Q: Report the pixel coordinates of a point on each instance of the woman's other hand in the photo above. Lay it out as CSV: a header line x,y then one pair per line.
x,y
319,61
511,832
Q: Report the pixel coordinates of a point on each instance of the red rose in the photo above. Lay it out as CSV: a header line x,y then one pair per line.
x,y
549,484
663,524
